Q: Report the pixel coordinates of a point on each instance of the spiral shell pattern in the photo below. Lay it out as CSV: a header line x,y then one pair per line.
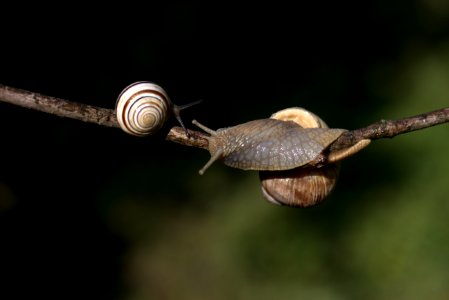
x,y
142,108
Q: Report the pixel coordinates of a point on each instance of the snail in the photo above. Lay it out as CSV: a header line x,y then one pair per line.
x,y
143,107
281,148
304,186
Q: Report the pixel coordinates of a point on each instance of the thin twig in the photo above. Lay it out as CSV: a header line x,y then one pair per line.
x,y
197,138
378,130
106,117
59,107
391,128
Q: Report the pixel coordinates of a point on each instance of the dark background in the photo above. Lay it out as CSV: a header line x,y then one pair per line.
x,y
90,211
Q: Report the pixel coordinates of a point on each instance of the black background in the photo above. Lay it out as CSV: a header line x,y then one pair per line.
x,y
244,61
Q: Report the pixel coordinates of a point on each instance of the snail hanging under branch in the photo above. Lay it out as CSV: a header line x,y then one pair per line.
x,y
282,149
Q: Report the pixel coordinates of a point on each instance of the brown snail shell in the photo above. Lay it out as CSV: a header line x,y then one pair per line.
x,y
306,185
303,186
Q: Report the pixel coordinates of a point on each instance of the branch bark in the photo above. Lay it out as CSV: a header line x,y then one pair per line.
x,y
58,107
106,117
391,128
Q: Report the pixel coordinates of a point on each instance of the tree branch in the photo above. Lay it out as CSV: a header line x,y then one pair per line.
x,y
391,128
106,117
59,107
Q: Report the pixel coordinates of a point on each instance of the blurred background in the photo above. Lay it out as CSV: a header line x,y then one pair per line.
x,y
88,211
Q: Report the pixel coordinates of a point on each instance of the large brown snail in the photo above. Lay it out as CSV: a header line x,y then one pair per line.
x,y
143,107
281,149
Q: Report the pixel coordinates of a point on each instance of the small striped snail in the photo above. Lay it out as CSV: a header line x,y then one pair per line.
x,y
143,107
281,148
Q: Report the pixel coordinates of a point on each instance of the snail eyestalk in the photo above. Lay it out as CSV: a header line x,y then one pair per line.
x,y
177,113
217,155
204,128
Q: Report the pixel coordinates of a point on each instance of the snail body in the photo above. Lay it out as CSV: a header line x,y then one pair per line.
x,y
269,144
143,107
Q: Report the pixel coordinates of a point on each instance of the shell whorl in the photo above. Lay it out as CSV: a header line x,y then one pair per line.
x,y
142,108
299,187
300,116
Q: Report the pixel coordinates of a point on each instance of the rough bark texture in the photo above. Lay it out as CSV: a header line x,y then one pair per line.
x,y
59,107
391,128
107,117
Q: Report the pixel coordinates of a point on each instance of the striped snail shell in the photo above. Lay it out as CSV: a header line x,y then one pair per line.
x,y
143,107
